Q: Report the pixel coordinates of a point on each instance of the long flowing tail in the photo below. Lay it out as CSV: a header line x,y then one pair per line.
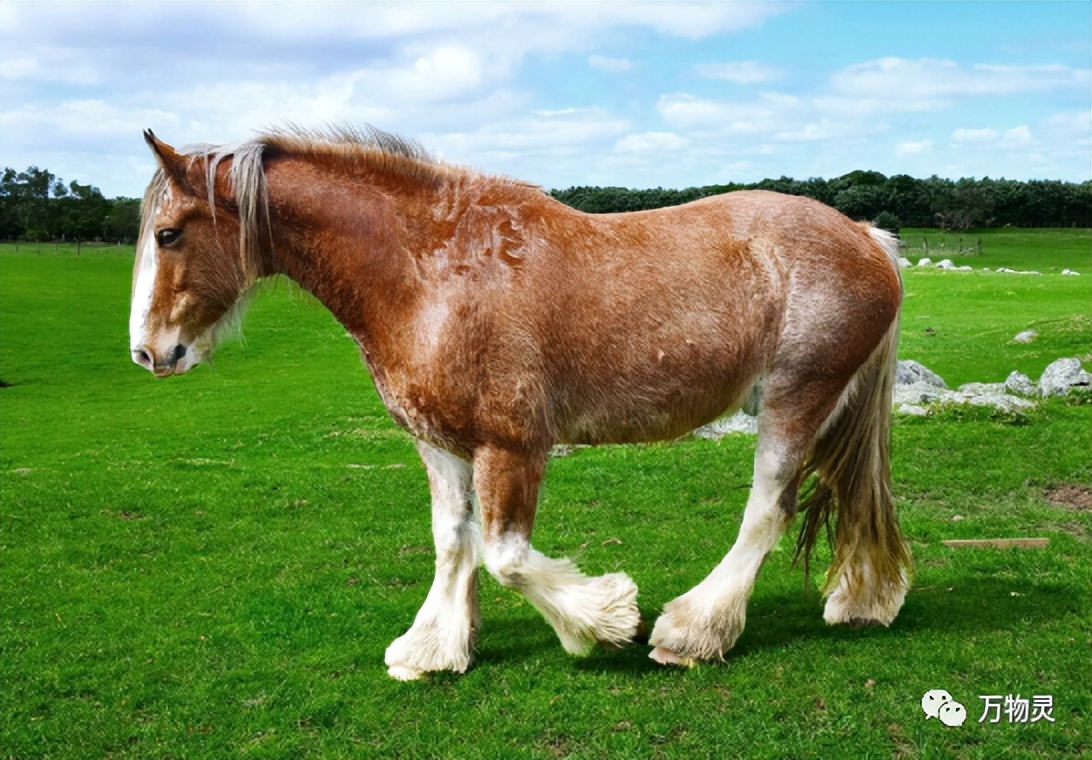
x,y
852,462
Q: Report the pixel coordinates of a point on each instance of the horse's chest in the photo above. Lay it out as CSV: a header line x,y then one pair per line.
x,y
419,399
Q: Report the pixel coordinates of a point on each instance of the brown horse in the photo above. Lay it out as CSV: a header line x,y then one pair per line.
x,y
497,322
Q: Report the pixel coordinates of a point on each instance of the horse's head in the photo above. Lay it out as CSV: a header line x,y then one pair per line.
x,y
190,271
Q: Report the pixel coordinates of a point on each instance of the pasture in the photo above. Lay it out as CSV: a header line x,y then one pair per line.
x,y
213,565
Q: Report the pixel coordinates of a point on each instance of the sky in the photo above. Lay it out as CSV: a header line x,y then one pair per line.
x,y
562,94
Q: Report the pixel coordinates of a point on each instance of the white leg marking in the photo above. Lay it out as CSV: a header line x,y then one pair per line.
x,y
705,622
582,610
442,635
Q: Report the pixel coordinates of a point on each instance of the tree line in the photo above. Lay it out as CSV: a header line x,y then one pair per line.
x,y
37,206
888,202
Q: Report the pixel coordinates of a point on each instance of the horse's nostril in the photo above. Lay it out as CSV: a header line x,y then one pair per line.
x,y
179,353
143,358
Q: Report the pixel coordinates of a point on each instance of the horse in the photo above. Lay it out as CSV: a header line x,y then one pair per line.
x,y
497,322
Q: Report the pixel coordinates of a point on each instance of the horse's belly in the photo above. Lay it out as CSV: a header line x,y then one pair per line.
x,y
647,418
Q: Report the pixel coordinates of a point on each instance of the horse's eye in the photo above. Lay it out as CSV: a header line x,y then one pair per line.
x,y
167,236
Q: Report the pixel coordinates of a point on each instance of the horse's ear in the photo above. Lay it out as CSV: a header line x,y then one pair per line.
x,y
177,166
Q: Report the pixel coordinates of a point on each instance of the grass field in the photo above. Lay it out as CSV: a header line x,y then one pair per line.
x,y
961,324
212,566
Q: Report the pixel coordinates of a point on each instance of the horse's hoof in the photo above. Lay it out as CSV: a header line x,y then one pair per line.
x,y
404,673
857,622
667,657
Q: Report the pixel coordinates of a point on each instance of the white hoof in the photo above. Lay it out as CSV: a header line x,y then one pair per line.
x,y
667,657
858,605
402,673
421,650
686,634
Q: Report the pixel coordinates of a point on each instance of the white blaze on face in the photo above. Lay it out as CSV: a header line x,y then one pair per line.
x,y
143,289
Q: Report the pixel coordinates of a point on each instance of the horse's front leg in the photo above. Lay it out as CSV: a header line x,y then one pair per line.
x,y
442,636
582,610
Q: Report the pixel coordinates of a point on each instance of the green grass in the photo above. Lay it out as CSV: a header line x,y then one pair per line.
x,y
1046,250
961,324
212,566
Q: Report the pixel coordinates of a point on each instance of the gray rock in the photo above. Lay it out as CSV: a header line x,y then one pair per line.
x,y
1001,401
1063,375
981,388
910,372
918,393
738,423
917,388
1020,384
1027,336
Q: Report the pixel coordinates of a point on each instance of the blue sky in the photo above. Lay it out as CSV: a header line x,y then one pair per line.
x,y
560,94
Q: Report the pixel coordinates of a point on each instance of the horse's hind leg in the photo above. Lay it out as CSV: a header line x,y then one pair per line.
x,y
442,635
705,622
582,610
868,576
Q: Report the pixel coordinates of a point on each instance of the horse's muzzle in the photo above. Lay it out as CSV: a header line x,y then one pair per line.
x,y
166,366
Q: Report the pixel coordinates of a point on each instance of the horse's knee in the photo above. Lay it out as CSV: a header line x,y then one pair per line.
x,y
506,561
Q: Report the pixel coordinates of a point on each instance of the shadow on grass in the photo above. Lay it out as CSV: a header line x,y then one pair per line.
x,y
783,619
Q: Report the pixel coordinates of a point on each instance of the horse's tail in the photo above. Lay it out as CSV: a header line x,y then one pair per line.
x,y
852,462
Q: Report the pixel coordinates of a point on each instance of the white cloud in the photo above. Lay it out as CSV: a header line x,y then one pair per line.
x,y
1076,123
913,147
824,129
1018,137
63,67
604,63
543,148
985,135
688,20
445,73
646,142
930,83
687,111
740,72
770,113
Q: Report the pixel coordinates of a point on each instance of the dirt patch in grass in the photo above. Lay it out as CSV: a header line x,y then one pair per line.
x,y
1072,497
1076,500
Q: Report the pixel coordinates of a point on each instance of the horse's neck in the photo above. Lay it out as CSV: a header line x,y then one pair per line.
x,y
351,245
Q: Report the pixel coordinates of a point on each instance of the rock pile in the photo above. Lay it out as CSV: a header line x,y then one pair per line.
x,y
948,265
917,388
